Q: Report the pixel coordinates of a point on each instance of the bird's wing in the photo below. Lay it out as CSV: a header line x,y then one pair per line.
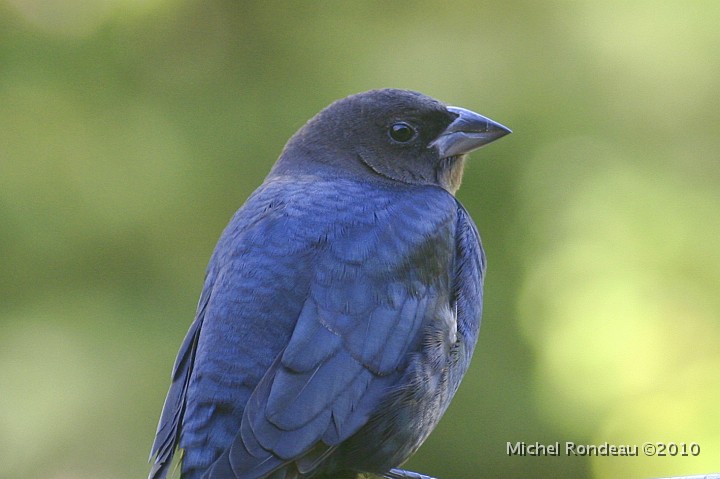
x,y
252,293
371,292
469,274
166,437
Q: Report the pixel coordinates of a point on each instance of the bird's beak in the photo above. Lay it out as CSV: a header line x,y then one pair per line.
x,y
468,132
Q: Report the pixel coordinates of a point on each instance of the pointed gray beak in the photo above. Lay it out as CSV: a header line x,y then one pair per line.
x,y
468,132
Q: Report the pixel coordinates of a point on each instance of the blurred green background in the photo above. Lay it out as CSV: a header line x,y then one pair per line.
x,y
131,130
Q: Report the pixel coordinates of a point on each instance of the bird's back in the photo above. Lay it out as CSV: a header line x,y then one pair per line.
x,y
292,235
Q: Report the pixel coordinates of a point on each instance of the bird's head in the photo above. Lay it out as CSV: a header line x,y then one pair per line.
x,y
395,135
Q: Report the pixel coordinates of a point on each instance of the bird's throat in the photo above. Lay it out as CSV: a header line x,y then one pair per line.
x,y
450,172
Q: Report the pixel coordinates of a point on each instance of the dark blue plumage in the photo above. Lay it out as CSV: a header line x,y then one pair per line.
x,y
341,305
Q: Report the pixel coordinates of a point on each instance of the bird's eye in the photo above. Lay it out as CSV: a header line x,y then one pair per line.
x,y
402,132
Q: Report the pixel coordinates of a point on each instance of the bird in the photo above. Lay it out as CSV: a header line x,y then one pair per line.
x,y
341,305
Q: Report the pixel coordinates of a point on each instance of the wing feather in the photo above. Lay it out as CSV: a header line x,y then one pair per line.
x,y
364,313
168,430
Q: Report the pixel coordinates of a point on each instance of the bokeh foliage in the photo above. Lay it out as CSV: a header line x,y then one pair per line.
x,y
131,130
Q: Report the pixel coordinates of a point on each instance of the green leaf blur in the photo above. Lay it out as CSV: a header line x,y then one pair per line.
x,y
131,130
